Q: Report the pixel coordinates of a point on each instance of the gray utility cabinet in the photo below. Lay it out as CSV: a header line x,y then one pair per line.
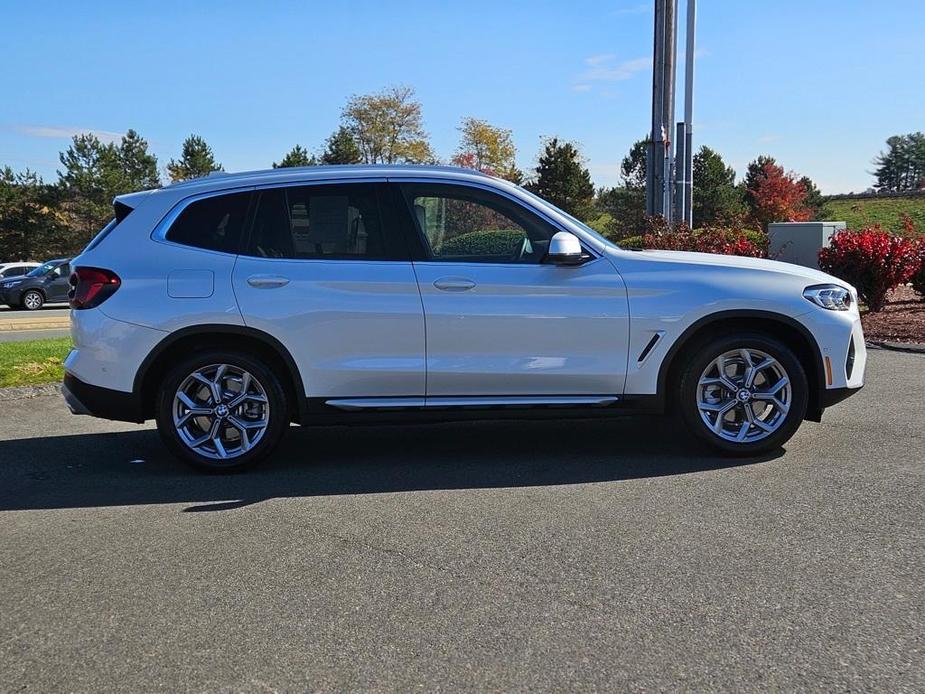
x,y
800,242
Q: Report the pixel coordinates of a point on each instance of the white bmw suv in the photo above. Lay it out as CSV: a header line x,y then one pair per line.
x,y
228,307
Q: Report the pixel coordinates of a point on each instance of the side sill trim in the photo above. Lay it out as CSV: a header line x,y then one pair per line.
x,y
502,401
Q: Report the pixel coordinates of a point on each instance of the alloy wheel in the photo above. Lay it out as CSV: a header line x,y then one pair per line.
x,y
32,300
744,395
221,411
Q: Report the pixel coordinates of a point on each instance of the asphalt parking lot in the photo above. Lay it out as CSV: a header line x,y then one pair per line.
x,y
571,556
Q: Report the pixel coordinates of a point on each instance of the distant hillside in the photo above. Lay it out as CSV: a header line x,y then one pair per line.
x,y
886,210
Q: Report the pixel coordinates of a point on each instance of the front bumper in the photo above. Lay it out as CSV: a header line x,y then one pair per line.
x,y
84,398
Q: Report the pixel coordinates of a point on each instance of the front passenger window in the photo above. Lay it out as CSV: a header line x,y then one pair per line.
x,y
465,224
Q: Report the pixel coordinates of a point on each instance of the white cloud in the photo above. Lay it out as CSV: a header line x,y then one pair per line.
x,y
605,68
58,132
581,88
642,8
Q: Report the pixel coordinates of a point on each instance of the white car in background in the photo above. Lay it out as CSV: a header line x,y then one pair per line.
x,y
8,270
229,306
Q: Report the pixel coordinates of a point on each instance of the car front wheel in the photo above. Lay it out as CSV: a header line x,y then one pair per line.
x,y
32,300
743,394
221,411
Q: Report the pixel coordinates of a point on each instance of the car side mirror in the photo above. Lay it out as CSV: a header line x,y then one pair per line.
x,y
564,249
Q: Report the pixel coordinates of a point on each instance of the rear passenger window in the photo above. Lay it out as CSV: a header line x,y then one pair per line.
x,y
213,223
321,221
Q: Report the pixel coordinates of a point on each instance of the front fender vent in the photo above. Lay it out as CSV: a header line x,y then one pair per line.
x,y
649,346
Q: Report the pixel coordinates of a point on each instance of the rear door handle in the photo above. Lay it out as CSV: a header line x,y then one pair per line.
x,y
454,284
267,281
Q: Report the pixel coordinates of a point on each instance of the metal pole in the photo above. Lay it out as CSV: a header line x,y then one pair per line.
x,y
691,34
656,135
680,157
668,81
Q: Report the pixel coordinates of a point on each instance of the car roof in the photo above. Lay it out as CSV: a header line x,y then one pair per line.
x,y
221,180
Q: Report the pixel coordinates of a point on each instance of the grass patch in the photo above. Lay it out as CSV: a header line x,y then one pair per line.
x,y
34,362
887,212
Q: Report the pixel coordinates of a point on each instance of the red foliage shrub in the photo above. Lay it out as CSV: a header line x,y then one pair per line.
x,y
706,240
918,278
873,260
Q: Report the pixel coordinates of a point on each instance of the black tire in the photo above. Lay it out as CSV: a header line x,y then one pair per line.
x,y
700,358
269,384
38,300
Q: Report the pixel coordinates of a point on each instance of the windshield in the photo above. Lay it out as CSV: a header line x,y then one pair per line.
x,y
43,269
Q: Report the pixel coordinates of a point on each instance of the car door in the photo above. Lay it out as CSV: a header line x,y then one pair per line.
x,y
499,320
327,273
57,284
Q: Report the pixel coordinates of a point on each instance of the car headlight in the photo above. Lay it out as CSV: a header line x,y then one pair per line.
x,y
7,285
829,296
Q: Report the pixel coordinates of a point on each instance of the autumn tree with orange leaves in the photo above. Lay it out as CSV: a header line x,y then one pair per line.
x,y
774,195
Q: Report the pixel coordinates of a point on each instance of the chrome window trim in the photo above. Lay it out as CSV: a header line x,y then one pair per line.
x,y
159,233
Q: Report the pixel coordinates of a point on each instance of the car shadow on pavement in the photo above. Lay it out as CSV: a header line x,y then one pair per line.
x,y
114,469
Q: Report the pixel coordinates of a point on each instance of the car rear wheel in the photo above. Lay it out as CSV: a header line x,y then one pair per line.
x,y
32,300
221,411
743,394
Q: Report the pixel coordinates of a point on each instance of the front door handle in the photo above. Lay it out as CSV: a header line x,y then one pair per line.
x,y
267,281
454,284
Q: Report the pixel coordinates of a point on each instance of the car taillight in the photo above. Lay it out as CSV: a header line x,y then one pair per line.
x,y
91,286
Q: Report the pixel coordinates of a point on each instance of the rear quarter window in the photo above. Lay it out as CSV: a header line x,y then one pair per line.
x,y
214,223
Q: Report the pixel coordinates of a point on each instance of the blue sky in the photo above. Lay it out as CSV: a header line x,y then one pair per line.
x,y
819,84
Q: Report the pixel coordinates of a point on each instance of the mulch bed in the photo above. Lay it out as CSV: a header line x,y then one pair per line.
x,y
901,320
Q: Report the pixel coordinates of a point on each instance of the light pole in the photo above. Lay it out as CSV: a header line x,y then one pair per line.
x,y
669,174
684,160
659,153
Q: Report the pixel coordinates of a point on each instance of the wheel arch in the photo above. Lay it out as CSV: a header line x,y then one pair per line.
x,y
788,330
197,337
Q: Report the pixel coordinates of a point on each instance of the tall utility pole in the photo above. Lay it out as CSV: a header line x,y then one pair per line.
x,y
659,155
669,174
684,159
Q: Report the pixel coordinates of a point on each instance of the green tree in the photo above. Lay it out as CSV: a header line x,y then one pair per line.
x,y
487,148
902,166
622,211
94,173
623,207
297,156
753,175
633,166
562,179
341,148
91,177
815,202
31,228
388,127
139,167
715,198
196,160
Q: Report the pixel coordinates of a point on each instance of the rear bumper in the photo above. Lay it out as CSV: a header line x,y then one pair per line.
x,y
83,398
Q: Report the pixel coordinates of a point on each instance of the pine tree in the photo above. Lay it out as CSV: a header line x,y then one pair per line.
x,y
902,166
139,167
341,148
297,156
715,197
196,160
562,179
